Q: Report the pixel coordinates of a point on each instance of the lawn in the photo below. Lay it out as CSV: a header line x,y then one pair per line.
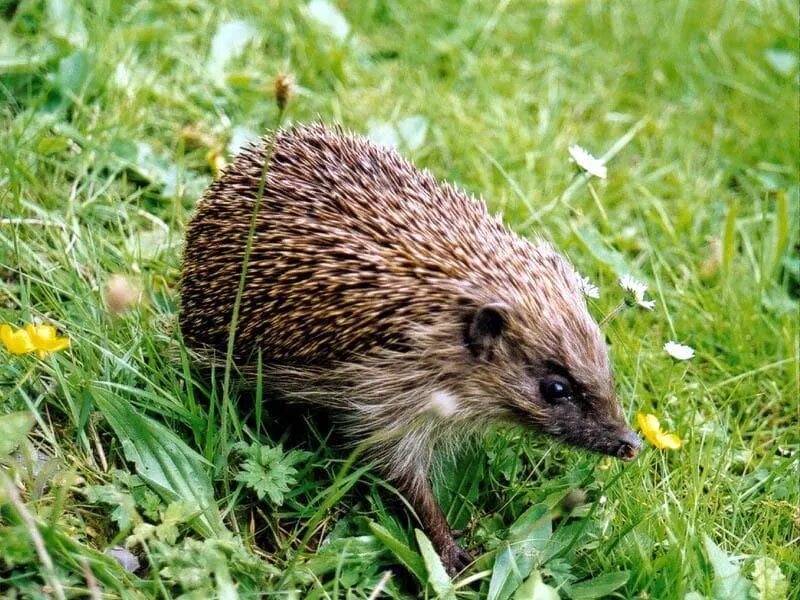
x,y
129,472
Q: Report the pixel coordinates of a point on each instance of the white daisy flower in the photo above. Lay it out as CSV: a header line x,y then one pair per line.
x,y
636,290
679,351
587,287
587,162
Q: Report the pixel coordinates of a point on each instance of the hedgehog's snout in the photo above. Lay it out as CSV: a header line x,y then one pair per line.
x,y
629,445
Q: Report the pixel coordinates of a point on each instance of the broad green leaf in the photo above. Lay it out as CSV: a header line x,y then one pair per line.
x,y
729,583
241,136
409,132
412,131
150,244
506,577
329,17
598,587
769,580
65,22
164,461
52,144
536,589
382,133
229,41
527,539
410,559
437,576
783,61
153,167
601,251
532,529
73,73
13,429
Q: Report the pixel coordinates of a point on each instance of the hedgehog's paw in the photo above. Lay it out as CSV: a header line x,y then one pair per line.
x,y
455,559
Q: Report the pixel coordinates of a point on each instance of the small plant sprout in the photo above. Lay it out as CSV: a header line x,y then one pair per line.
x,y
679,351
39,338
651,429
268,470
587,162
284,87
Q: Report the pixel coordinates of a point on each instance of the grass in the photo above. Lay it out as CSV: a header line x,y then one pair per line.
x,y
108,114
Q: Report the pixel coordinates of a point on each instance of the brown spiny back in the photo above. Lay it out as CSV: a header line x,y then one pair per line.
x,y
352,246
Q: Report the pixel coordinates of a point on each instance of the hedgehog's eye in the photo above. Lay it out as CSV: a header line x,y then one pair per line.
x,y
555,388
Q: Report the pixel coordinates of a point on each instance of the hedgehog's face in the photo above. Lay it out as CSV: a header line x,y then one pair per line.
x,y
548,366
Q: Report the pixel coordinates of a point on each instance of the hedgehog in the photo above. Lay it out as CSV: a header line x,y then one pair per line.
x,y
398,305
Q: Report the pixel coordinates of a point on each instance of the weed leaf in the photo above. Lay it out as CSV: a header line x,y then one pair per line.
x,y
598,587
164,461
729,583
66,23
602,251
768,579
505,576
437,576
783,61
527,538
73,73
536,589
412,131
13,429
229,41
329,17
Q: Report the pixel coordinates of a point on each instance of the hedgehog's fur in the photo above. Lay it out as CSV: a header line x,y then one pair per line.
x,y
396,301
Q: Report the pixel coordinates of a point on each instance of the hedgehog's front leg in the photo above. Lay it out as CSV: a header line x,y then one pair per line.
x,y
417,489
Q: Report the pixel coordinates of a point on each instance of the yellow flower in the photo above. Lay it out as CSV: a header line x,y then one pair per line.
x,y
651,429
45,340
16,342
32,338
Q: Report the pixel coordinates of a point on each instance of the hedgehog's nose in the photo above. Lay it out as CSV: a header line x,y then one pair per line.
x,y
629,445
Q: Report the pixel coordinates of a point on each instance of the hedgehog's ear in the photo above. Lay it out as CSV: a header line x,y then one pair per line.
x,y
485,326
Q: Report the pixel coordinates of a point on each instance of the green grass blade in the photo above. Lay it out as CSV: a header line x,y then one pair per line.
x,y
410,559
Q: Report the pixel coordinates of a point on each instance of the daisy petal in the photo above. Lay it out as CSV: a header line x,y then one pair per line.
x,y
634,286
679,351
587,162
587,287
648,304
